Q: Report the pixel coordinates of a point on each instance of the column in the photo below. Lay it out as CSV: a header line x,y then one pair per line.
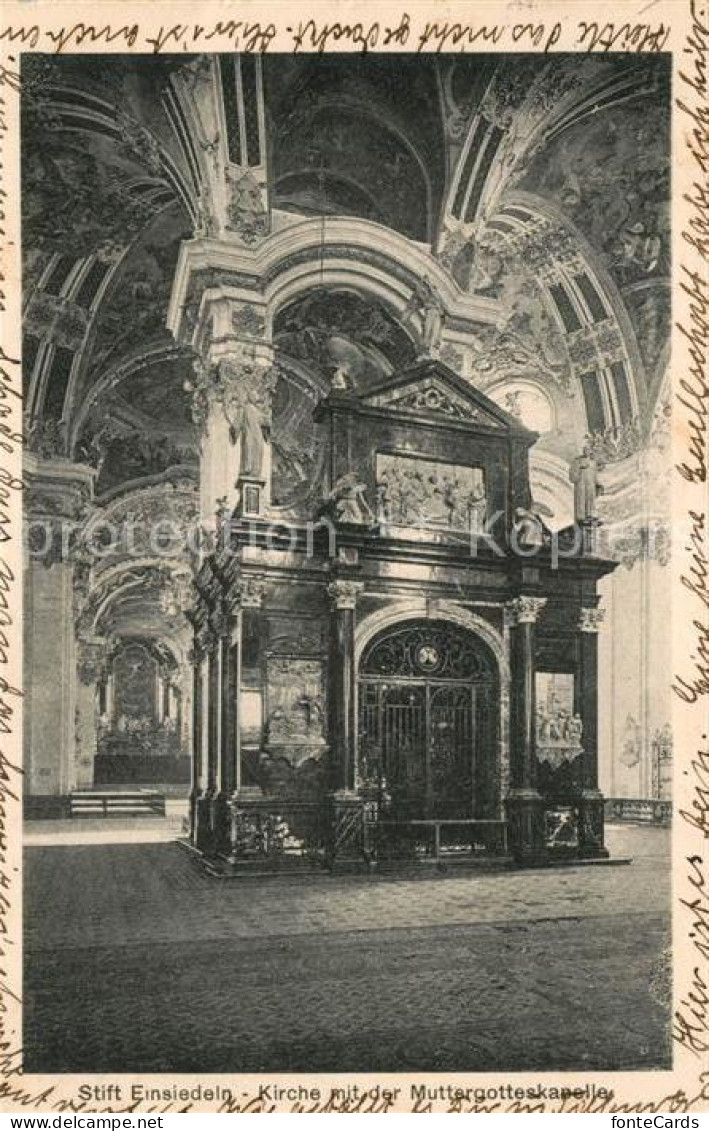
x,y
228,771
213,708
219,674
203,829
92,655
591,827
166,689
246,593
346,834
55,763
342,684
525,807
233,208
197,660
236,696
209,691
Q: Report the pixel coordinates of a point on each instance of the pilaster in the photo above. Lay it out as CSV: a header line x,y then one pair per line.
x,y
525,807
346,845
59,714
591,816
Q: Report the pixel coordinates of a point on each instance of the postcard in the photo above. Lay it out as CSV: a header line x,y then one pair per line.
x,y
354,577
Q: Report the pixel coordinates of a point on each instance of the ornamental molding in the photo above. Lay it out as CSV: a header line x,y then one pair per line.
x,y
344,594
248,320
399,612
525,609
614,444
60,320
633,542
591,619
92,660
385,261
233,382
151,578
247,593
434,396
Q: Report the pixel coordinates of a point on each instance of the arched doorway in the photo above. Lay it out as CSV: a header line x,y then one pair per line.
x,y
428,719
141,733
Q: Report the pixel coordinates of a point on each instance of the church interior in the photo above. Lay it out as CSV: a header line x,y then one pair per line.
x,y
347,451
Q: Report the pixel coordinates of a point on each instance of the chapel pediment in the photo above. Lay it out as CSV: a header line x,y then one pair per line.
x,y
432,391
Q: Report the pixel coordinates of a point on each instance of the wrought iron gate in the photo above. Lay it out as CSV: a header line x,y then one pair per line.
x,y
425,728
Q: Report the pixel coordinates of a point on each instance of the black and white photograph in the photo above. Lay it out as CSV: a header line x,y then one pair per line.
x,y
348,740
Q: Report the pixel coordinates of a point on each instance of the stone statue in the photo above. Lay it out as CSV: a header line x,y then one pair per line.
x,y
425,303
247,406
340,382
223,511
383,500
349,500
477,508
575,729
583,473
527,528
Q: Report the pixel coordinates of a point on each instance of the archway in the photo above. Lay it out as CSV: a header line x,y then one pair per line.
x,y
141,734
428,720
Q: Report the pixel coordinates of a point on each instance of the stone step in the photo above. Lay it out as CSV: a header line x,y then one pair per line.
x,y
116,804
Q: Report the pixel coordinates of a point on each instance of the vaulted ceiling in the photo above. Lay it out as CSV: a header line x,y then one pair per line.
x,y
542,183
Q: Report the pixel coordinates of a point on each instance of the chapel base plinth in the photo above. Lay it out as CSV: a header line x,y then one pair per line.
x,y
527,830
203,838
591,827
347,847
220,825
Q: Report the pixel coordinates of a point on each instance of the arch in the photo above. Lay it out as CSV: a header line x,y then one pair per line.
x,y
541,208
366,256
359,254
157,354
533,388
417,609
117,581
420,609
161,648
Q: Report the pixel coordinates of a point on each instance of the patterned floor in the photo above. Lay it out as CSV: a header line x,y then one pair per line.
x,y
136,960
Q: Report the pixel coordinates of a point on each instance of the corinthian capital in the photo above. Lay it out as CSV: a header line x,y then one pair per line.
x,y
525,609
247,593
343,594
591,619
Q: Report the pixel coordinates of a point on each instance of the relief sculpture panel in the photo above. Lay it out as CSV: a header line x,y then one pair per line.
x,y
422,492
296,707
292,762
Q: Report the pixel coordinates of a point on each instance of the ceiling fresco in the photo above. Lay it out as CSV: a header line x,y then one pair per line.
x,y
612,180
511,174
132,314
355,136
